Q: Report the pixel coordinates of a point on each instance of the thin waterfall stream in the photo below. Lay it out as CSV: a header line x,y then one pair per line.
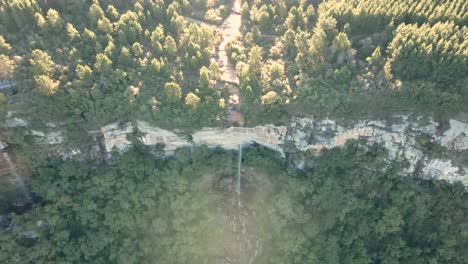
x,y
239,167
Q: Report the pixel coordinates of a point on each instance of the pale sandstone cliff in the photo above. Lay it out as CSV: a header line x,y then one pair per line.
x,y
307,134
401,138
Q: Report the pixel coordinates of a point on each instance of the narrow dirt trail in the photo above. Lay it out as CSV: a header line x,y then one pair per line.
x,y
230,30
240,240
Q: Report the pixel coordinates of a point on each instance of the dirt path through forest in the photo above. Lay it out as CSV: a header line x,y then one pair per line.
x,y
240,237
229,31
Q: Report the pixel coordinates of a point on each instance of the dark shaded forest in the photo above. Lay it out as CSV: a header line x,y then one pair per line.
x,y
352,206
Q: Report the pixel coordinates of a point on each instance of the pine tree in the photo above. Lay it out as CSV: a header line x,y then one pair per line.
x,y
192,101
5,48
46,85
96,13
41,63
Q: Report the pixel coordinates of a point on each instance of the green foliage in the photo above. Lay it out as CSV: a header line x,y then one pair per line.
x,y
5,48
54,21
371,16
439,57
192,101
72,32
278,16
339,54
7,68
270,98
103,63
46,85
16,15
173,92
96,13
41,63
111,48
214,11
351,206
139,211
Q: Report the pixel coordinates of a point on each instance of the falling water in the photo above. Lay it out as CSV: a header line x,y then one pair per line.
x,y
239,170
18,179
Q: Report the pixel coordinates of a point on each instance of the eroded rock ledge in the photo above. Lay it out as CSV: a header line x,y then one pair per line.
x,y
429,151
405,139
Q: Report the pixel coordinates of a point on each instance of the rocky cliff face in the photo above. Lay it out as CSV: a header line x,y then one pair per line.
x,y
406,140
115,136
420,143
409,140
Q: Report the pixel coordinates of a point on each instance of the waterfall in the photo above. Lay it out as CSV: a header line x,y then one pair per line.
x,y
18,178
238,187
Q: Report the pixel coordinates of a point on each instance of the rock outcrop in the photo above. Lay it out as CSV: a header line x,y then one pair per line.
x,y
456,138
115,136
405,139
444,170
230,138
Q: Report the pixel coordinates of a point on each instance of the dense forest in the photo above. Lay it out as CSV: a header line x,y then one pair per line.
x,y
91,63
350,207
352,58
77,66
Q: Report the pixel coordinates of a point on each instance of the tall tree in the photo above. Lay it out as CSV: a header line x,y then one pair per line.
x,y
41,63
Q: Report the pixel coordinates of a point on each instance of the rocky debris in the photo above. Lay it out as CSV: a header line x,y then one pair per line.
x,y
36,133
240,240
54,138
154,136
50,138
68,154
225,184
456,138
16,122
444,170
13,121
115,135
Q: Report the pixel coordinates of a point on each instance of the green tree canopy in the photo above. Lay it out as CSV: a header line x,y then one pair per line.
x,y
46,85
41,63
173,92
192,101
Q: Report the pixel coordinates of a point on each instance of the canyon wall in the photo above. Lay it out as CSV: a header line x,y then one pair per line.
x,y
426,149
411,140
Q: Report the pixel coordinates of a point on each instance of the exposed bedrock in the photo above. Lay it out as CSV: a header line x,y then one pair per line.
x,y
416,141
428,150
